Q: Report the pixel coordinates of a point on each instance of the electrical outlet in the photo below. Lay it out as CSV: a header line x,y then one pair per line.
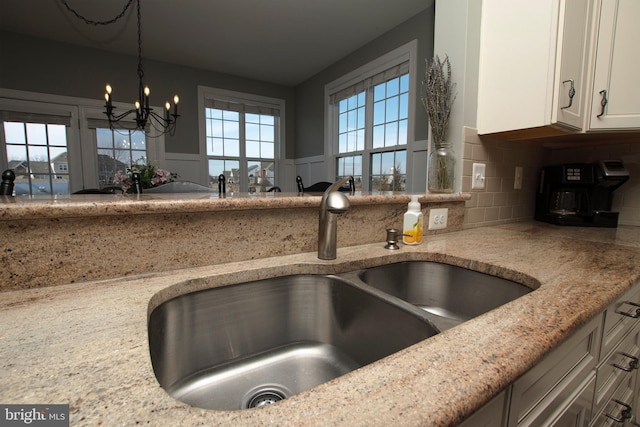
x,y
478,176
517,181
438,218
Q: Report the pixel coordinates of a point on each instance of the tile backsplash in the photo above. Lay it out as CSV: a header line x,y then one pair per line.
x,y
499,202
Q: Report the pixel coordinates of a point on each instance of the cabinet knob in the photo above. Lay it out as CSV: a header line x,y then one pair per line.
x,y
572,93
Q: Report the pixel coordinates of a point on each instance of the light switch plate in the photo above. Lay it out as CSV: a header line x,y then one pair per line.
x,y
438,218
517,182
478,176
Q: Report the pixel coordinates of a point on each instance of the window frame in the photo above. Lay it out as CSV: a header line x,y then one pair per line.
x,y
81,140
88,113
404,53
11,103
210,93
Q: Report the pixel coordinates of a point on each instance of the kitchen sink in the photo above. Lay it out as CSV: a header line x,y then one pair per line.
x,y
449,294
253,344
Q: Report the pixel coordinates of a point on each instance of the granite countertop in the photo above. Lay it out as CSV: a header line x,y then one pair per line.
x,y
65,206
86,344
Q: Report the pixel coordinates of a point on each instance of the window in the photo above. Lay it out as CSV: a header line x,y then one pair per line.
x,y
114,150
36,149
59,144
369,120
242,139
117,150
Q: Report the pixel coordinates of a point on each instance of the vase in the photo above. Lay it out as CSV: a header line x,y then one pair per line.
x,y
441,169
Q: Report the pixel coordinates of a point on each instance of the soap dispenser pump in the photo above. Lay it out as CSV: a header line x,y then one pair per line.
x,y
412,224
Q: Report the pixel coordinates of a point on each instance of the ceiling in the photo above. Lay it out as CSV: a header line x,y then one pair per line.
x,y
278,41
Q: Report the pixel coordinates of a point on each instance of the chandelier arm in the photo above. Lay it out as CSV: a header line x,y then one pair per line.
x,y
162,125
96,23
116,118
162,121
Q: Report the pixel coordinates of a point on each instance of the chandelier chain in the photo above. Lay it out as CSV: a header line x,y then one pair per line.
x,y
140,71
96,23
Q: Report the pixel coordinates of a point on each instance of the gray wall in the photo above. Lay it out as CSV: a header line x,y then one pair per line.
x,y
45,66
39,65
310,94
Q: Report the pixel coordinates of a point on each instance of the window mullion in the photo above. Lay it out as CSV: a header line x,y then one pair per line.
x,y
368,129
242,179
368,137
50,167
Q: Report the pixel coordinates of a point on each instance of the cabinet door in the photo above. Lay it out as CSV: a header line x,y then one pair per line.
x,y
565,376
573,50
533,65
616,81
619,318
578,412
618,411
621,365
490,415
636,396
517,63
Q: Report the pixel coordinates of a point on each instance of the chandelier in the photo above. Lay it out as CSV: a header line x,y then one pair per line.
x,y
144,115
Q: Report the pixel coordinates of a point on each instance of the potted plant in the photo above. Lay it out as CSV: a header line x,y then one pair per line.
x,y
437,98
150,176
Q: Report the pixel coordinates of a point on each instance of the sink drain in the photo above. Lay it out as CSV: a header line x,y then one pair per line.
x,y
262,396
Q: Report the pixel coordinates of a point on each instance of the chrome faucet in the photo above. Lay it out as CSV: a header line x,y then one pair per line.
x,y
333,204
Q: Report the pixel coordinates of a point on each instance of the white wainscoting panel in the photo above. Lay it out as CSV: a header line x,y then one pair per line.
x,y
189,167
312,170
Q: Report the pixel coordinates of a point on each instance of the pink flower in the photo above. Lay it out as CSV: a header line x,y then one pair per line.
x,y
150,176
120,177
163,173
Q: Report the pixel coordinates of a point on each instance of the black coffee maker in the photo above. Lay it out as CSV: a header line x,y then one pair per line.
x,y
580,194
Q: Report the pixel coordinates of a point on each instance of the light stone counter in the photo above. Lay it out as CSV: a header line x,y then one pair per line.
x,y
92,205
70,239
86,344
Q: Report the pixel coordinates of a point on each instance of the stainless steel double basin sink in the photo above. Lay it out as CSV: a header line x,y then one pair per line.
x,y
253,344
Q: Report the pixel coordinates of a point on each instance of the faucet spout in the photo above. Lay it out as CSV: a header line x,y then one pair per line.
x,y
333,203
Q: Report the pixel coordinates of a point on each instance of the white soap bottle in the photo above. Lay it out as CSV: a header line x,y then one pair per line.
x,y
412,224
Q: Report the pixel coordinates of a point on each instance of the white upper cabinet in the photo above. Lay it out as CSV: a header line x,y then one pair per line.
x,y
616,80
571,103
544,63
532,64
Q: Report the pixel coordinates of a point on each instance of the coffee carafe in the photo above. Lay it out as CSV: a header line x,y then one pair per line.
x,y
580,194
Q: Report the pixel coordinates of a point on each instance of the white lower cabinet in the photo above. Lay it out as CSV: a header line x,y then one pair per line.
x,y
561,386
617,411
590,380
493,414
616,373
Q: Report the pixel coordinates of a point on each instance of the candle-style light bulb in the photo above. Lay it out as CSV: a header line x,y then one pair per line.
x,y
137,105
107,96
167,115
146,91
175,105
